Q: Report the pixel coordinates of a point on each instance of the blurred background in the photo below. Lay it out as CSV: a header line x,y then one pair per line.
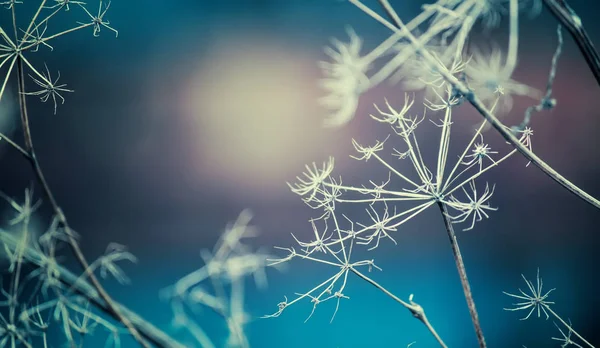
x,y
199,109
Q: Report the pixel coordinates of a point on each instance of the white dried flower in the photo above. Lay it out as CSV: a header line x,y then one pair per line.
x,y
345,79
490,80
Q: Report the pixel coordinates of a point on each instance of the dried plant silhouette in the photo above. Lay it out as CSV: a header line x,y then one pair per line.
x,y
438,62
429,55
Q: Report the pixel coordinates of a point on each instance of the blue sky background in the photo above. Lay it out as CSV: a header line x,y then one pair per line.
x,y
200,109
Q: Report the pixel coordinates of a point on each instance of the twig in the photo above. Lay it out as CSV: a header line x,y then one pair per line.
x,y
416,309
15,145
547,102
58,211
460,266
568,18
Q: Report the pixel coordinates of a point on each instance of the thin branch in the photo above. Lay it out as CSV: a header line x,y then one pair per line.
x,y
568,18
58,211
547,102
416,309
460,266
15,146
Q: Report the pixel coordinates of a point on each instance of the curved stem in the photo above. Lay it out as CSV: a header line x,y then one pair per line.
x,y
568,18
58,211
460,266
416,309
15,145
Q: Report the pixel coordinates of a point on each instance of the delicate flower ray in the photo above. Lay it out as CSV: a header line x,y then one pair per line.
x,y
313,178
475,207
318,244
13,332
394,116
379,227
436,79
115,252
421,75
446,103
98,21
84,325
378,190
489,78
367,151
566,338
537,300
49,88
219,284
65,4
48,273
25,210
416,73
534,300
478,154
326,197
525,138
37,39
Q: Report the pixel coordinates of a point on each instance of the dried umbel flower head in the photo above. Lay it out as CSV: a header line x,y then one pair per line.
x,y
345,79
490,79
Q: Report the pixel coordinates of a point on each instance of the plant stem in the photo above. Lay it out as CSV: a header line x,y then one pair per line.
x,y
416,309
567,326
14,145
85,289
58,211
568,18
460,266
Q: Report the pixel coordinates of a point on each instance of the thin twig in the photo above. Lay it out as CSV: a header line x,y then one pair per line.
x,y
416,309
462,272
547,102
568,18
58,211
15,145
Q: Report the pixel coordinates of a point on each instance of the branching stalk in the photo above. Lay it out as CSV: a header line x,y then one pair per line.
x,y
461,88
460,266
569,19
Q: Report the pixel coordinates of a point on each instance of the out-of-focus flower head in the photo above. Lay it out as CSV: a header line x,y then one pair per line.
x,y
417,74
345,79
490,80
